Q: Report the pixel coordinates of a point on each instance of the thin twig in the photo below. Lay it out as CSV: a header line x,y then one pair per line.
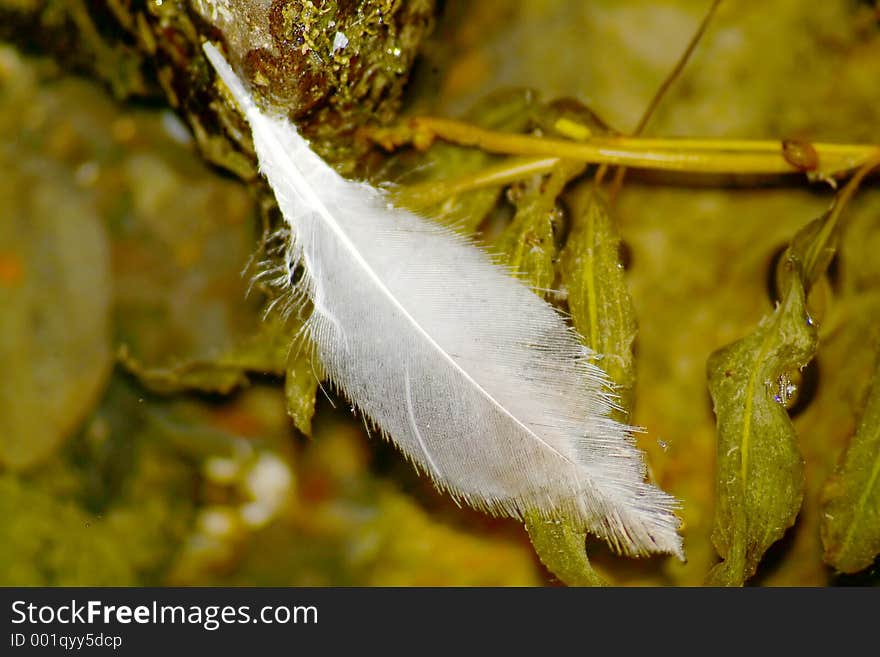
x,y
423,195
673,75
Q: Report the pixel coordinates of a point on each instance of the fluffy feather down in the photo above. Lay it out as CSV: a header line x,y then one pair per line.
x,y
474,377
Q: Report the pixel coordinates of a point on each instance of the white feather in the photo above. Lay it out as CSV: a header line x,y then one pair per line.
x,y
474,377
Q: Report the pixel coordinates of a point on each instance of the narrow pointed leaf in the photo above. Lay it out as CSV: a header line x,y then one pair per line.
x,y
759,468
528,242
560,547
759,481
851,501
598,299
602,312
268,351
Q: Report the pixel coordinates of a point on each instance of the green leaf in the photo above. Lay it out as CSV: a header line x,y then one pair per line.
x,y
528,242
54,311
851,499
598,299
759,470
302,377
222,374
561,549
602,312
269,351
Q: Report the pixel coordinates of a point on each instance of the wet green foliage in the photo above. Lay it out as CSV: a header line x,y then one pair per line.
x,y
181,465
561,549
528,242
851,511
601,310
760,478
759,468
598,299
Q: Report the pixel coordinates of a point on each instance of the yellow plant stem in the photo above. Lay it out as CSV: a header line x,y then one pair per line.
x,y
840,202
423,195
699,156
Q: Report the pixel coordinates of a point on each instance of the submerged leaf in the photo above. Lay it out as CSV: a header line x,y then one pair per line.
x,y
561,549
602,312
851,504
268,352
218,375
759,468
302,376
760,481
598,299
528,242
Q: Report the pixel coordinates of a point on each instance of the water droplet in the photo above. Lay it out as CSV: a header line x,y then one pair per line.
x,y
340,41
786,391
